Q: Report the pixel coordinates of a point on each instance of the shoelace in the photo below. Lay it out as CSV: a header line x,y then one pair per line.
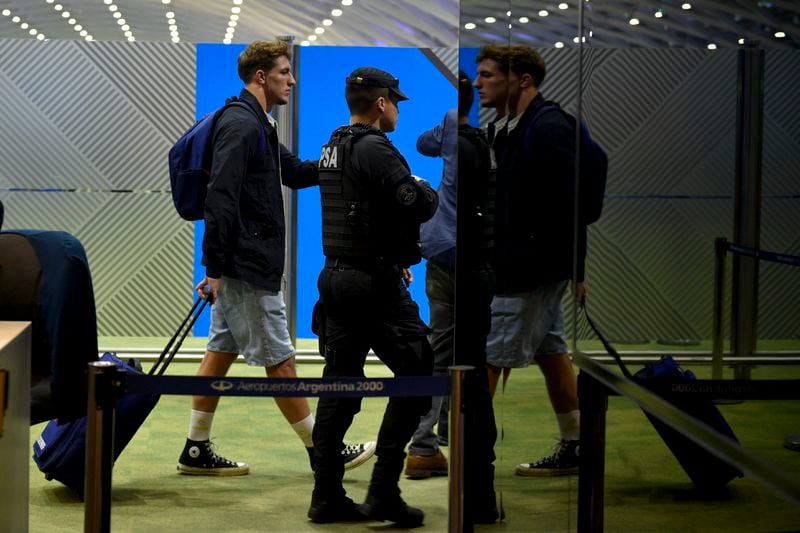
x,y
351,449
211,449
558,451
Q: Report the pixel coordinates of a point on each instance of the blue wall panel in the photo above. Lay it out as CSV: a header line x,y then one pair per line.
x,y
322,109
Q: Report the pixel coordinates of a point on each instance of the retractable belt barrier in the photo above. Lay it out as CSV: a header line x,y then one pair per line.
x,y
108,384
306,387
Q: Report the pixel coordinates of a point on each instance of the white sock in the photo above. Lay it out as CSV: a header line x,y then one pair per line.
x,y
304,429
200,425
569,424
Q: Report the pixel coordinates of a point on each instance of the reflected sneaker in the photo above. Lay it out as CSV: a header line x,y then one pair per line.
x,y
355,455
425,466
200,458
563,462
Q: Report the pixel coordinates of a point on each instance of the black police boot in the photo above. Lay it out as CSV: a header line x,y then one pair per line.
x,y
388,506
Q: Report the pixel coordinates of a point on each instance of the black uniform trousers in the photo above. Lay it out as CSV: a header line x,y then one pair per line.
x,y
362,308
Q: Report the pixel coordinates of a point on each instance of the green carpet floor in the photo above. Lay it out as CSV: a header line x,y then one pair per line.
x,y
646,490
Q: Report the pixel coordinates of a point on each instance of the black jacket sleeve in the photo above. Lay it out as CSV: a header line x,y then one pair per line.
x,y
297,174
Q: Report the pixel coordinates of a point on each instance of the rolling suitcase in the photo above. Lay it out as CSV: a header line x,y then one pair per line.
x,y
60,451
706,470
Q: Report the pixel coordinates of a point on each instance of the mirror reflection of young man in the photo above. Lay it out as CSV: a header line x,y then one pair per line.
x,y
533,239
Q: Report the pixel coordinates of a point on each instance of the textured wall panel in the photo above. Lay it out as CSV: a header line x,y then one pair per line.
x,y
106,125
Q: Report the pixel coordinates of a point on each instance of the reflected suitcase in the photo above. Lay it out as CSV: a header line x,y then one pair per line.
x,y
60,451
706,470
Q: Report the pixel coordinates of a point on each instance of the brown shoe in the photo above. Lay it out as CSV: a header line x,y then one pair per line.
x,y
425,466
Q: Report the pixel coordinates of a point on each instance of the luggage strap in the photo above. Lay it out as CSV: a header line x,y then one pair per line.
x,y
610,349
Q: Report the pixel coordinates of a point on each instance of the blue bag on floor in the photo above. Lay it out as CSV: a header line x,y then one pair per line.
x,y
706,470
60,451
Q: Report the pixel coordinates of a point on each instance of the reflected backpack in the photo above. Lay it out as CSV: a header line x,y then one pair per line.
x,y
593,167
190,162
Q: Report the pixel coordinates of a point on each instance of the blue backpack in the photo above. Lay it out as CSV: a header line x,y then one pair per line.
x,y
190,163
593,168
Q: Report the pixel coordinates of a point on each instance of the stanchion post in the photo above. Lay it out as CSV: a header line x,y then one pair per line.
x,y
717,337
593,403
456,444
103,385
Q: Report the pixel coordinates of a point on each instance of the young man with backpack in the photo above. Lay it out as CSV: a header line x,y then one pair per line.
x,y
535,232
243,252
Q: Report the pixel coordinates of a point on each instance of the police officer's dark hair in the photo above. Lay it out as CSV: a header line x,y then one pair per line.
x,y
360,97
517,58
261,55
466,95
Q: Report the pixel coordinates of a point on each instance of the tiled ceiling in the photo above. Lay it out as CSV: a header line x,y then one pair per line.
x,y
425,23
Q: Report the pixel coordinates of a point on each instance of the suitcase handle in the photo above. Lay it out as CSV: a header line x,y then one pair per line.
x,y
610,349
180,334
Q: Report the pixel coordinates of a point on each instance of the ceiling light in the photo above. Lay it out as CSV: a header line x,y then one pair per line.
x,y
232,23
226,41
469,26
121,22
327,22
106,2
116,14
236,10
125,28
559,44
112,8
131,39
633,22
24,25
78,27
172,27
234,17
741,40
543,13
15,19
780,35
712,46
71,21
563,5
127,34
306,43
171,21
89,38
687,6
170,15
490,20
336,12
83,33
65,14
575,40
50,1
33,31
58,7
658,14
237,2
319,30
347,2
163,2
174,34
6,12
312,38
176,39
40,37
524,20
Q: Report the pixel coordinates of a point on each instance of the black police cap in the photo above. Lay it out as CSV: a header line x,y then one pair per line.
x,y
374,77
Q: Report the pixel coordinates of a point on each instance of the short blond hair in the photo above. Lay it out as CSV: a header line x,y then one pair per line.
x,y
261,55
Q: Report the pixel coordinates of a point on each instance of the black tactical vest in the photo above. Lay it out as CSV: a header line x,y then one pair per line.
x,y
345,198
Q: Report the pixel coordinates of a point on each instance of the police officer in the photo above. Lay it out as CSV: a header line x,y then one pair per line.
x,y
372,207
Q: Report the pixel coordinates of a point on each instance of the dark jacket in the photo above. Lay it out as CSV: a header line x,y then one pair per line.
x,y
245,229
534,231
